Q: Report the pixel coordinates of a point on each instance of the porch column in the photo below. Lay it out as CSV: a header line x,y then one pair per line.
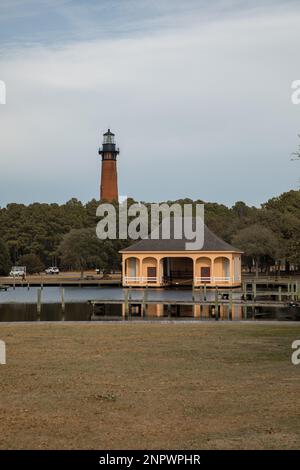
x,y
158,270
231,269
139,273
212,269
123,270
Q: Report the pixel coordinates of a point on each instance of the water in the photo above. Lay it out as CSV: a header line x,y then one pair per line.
x,y
21,305
83,294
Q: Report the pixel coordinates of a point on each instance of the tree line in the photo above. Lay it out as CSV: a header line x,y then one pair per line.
x,y
40,235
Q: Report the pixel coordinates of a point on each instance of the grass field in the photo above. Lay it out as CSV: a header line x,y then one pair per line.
x,y
127,386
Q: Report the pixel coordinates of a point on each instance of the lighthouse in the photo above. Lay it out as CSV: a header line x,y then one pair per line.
x,y
109,176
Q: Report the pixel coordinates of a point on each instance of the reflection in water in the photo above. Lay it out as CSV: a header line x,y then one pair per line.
x,y
53,312
85,312
20,305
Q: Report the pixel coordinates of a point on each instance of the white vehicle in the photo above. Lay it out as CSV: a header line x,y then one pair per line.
x,y
52,270
18,271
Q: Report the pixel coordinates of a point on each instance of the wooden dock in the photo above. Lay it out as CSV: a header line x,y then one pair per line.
x,y
61,282
249,297
190,302
218,309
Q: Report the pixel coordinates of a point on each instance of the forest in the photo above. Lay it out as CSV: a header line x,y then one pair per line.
x,y
41,235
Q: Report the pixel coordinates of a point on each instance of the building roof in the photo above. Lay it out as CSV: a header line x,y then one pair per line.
x,y
211,243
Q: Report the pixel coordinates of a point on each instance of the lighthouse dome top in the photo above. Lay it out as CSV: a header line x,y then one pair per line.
x,y
109,132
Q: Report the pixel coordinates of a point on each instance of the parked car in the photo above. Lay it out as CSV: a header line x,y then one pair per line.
x,y
52,270
18,271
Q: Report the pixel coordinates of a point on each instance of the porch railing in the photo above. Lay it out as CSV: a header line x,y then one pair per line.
x,y
197,280
204,279
213,280
222,279
140,280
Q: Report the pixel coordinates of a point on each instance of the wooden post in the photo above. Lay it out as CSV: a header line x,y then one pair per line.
x,y
230,303
279,294
39,301
201,293
217,303
245,310
291,291
126,303
244,289
63,299
254,291
143,304
145,300
169,310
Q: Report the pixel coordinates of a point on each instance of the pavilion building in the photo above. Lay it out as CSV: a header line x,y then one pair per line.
x,y
165,262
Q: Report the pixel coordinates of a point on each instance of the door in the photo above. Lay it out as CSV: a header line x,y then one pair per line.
x,y
151,272
205,274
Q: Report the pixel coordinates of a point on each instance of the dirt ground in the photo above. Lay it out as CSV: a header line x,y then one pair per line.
x,y
151,386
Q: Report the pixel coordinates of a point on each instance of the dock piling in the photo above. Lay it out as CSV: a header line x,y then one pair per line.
x,y
63,305
39,301
217,303
126,303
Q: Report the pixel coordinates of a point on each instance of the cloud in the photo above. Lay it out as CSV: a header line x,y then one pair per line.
x,y
202,111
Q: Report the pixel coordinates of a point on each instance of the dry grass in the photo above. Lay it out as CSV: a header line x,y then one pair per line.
x,y
209,386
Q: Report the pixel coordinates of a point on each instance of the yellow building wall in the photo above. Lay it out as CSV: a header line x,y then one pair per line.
x,y
148,263
216,260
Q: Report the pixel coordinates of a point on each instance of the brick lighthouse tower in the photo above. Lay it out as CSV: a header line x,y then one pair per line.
x,y
109,177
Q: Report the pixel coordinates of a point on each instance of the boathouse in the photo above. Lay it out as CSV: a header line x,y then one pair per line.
x,y
165,262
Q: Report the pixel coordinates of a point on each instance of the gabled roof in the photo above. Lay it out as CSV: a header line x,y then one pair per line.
x,y
211,243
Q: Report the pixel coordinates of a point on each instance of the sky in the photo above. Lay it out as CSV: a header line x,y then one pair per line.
x,y
198,94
